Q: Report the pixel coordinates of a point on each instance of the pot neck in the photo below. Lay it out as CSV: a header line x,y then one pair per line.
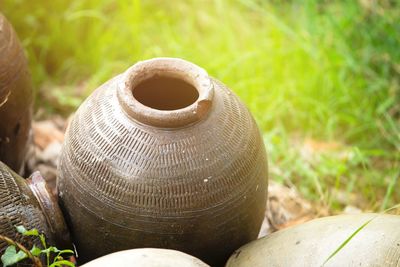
x,y
166,92
49,206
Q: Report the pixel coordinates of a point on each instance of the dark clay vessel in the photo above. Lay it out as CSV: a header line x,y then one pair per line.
x,y
29,203
15,98
163,156
312,244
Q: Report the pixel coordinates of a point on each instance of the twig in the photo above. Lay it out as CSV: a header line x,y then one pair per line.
x,y
36,261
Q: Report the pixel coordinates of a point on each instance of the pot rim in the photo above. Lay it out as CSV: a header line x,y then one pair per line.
x,y
167,67
50,208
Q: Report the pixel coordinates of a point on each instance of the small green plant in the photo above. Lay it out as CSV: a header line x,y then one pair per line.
x,y
53,256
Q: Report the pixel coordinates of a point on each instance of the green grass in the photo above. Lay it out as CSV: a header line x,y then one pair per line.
x,y
341,246
326,70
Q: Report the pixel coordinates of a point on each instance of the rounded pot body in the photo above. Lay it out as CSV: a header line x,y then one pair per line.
x,y
163,156
29,203
376,242
15,98
149,257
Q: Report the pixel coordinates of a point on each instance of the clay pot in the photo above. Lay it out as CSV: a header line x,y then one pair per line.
x,y
147,257
15,98
29,203
163,156
311,244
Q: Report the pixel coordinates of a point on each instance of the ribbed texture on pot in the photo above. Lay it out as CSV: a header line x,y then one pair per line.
x,y
18,206
200,189
373,240
15,98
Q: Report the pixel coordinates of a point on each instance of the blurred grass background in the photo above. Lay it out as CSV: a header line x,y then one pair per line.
x,y
322,78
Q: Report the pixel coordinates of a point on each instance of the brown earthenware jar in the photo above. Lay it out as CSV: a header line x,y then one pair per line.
x,y
15,98
163,156
29,203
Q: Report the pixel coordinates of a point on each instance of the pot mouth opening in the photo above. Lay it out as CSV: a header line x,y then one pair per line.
x,y
164,92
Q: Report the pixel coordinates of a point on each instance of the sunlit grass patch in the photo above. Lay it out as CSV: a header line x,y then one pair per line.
x,y
320,70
